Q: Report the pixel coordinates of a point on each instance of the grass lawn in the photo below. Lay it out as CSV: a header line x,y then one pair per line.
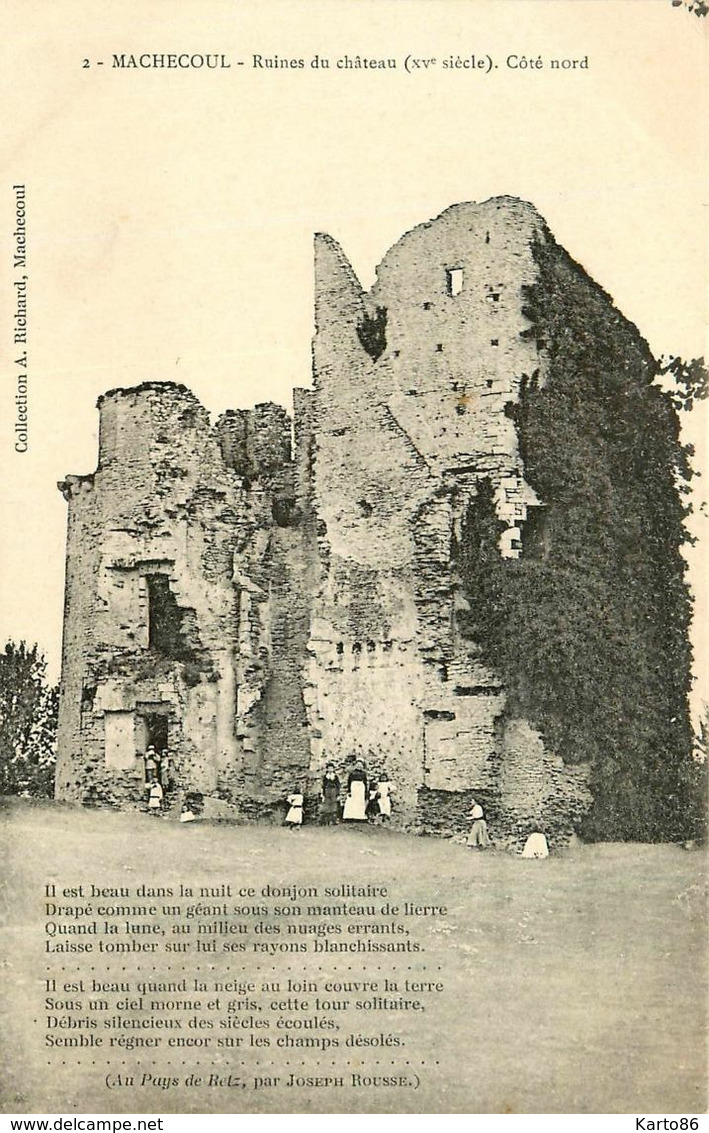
x,y
572,985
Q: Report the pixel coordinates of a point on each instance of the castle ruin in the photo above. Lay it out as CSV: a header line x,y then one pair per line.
x,y
263,595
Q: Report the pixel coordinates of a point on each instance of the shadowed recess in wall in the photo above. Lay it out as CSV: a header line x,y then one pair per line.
x,y
172,630
371,332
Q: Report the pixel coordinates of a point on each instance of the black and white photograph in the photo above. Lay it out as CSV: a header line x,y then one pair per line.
x,y
353,660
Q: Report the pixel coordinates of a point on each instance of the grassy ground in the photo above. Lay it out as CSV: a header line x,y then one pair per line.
x,y
575,984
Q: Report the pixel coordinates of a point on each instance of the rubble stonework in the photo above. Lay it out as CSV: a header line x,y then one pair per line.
x,y
263,605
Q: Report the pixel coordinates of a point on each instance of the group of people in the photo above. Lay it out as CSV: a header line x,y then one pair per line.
x,y
158,780
365,799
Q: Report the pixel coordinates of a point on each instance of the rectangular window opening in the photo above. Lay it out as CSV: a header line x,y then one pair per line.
x,y
454,281
165,619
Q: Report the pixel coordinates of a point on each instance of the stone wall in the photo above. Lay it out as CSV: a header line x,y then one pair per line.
x,y
413,381
311,578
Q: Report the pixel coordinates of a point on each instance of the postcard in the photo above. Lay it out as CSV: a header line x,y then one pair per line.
x,y
353,685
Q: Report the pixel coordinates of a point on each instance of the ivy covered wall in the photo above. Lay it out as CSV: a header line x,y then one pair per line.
x,y
589,627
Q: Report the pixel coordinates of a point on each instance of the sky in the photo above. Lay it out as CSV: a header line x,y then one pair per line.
x,y
170,212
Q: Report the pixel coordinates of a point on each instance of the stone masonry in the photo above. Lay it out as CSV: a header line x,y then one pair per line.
x,y
261,596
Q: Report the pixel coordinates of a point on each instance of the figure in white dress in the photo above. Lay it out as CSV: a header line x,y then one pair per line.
x,y
294,818
155,797
384,796
536,846
356,802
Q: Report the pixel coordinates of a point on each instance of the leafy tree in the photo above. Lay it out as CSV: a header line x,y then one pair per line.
x,y
698,7
28,722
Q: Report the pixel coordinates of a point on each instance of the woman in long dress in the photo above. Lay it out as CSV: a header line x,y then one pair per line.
x,y
478,836
330,805
356,801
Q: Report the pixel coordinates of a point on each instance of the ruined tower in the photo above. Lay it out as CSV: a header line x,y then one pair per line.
x,y
260,604
412,381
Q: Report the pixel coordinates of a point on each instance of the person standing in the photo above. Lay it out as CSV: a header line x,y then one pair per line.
x,y
294,818
384,797
478,836
151,763
330,796
356,802
155,796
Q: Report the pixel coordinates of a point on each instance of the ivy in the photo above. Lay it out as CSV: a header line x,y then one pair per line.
x,y
589,628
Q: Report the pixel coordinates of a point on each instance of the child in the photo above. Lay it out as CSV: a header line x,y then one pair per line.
x,y
186,812
155,797
536,846
384,796
294,818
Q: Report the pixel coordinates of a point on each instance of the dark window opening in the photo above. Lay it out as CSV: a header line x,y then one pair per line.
x,y
156,731
427,306
494,342
439,348
366,508
488,383
283,511
477,690
165,618
487,237
357,647
371,332
340,648
495,296
371,646
454,281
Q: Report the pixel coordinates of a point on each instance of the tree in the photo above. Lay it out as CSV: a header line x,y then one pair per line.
x,y
28,722
691,380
